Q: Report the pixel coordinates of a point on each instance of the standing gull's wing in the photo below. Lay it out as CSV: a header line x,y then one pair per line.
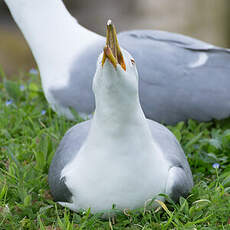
x,y
180,77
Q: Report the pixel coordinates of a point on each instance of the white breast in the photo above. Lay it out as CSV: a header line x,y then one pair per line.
x,y
100,177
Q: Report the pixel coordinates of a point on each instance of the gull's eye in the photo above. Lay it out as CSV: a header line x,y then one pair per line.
x,y
132,61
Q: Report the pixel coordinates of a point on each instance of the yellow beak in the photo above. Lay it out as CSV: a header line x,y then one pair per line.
x,y
112,49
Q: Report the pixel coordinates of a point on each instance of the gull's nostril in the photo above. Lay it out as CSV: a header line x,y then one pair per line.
x,y
133,62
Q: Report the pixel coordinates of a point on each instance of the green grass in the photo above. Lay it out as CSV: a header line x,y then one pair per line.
x,y
29,138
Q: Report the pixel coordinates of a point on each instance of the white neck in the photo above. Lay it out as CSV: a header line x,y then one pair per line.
x,y
116,120
54,36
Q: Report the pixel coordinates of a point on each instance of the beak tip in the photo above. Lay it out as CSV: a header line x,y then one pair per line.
x,y
109,22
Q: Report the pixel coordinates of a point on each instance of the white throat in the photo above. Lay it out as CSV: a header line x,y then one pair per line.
x,y
118,115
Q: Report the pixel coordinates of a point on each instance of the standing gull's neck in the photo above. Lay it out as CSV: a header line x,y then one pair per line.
x,y
54,36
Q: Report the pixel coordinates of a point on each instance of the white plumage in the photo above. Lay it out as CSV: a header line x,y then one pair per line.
x,y
121,161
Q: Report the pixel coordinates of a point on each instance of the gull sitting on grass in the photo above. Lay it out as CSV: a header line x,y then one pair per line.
x,y
119,157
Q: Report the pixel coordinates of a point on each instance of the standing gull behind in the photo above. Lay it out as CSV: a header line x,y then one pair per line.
x,y
180,77
119,157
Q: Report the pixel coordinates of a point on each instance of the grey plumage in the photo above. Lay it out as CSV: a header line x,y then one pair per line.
x,y
76,136
179,170
170,88
70,144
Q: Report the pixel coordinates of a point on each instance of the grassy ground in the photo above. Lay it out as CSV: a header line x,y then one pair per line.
x,y
29,135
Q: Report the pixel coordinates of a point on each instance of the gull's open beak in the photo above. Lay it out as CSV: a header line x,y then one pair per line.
x,y
112,49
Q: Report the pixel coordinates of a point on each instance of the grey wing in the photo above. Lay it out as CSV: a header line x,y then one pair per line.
x,y
68,147
178,184
181,78
180,181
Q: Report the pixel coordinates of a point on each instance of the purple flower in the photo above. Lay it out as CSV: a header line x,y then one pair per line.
x,y
216,165
22,87
9,102
33,71
43,112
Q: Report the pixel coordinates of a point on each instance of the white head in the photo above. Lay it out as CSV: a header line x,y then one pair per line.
x,y
110,81
115,82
